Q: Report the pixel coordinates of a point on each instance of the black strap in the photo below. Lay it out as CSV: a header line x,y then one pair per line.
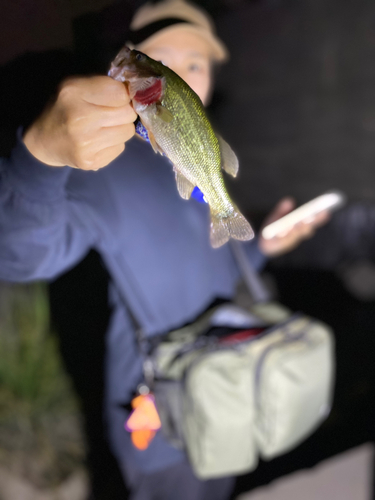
x,y
254,284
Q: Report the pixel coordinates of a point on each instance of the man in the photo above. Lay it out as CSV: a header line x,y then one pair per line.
x,y
154,244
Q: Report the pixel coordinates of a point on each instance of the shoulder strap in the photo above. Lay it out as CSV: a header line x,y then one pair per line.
x,y
254,284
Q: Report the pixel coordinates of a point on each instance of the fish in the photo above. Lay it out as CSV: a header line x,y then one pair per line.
x,y
178,127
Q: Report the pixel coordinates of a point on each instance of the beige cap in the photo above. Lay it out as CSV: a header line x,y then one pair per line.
x,y
193,18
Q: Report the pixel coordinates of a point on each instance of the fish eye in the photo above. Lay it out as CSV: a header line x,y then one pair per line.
x,y
139,57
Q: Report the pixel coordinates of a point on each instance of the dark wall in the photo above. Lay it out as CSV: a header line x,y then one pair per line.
x,y
296,101
299,98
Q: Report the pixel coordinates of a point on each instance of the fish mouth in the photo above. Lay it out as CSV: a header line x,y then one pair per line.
x,y
124,56
126,67
119,69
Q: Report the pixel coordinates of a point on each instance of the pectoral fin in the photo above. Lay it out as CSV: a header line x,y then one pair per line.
x,y
163,113
184,186
229,160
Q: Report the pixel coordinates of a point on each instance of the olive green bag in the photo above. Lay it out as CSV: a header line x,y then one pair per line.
x,y
227,402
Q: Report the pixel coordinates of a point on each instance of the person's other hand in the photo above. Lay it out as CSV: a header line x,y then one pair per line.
x,y
292,238
85,127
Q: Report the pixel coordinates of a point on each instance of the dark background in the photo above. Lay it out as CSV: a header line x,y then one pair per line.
x,y
297,104
296,101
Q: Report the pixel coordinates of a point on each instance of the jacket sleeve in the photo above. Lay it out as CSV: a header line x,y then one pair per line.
x,y
40,236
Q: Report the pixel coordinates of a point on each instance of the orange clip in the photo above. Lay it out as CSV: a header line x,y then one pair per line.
x,y
144,421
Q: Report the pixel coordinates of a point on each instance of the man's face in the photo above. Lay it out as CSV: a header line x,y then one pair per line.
x,y
186,54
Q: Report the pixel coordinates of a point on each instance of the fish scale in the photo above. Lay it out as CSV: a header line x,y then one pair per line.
x,y
200,150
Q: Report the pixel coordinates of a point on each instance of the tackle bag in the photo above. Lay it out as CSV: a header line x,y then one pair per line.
x,y
239,384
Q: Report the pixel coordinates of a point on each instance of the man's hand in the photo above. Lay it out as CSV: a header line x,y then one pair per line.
x,y
85,127
291,239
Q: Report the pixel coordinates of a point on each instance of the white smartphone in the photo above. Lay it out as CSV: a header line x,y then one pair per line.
x,y
329,201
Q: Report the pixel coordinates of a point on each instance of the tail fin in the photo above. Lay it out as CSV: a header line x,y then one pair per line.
x,y
233,226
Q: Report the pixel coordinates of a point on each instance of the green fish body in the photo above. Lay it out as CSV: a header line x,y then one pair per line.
x,y
178,127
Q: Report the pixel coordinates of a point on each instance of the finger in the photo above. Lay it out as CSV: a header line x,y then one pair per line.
x,y
285,205
107,155
302,231
111,117
322,218
292,236
277,246
313,223
99,90
282,208
111,136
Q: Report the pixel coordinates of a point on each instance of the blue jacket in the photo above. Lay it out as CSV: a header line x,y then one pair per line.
x,y
155,246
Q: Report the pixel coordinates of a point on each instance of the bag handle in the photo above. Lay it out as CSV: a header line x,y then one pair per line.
x,y
254,284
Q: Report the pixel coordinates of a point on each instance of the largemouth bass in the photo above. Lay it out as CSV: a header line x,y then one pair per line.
x,y
178,127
